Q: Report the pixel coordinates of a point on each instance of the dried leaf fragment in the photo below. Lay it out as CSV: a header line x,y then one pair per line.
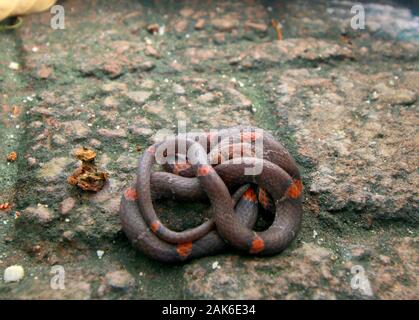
x,y
12,156
277,26
5,206
87,177
85,154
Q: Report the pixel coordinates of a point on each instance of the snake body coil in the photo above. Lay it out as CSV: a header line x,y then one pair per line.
x,y
214,166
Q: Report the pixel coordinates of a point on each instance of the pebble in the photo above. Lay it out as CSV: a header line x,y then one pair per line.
x,y
59,140
114,86
31,161
360,252
42,111
14,66
178,89
139,97
207,97
54,168
140,131
314,252
110,102
148,84
119,280
76,129
261,27
393,96
109,133
41,214
156,108
152,52
100,253
68,235
384,259
180,26
13,273
199,25
147,66
186,12
95,143
224,24
241,100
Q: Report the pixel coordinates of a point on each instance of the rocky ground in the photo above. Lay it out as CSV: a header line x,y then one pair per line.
x,y
343,101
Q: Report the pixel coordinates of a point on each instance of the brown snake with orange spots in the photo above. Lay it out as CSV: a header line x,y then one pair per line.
x,y
215,165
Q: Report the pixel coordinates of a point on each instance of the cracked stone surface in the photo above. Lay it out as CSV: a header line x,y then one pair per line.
x,y
343,101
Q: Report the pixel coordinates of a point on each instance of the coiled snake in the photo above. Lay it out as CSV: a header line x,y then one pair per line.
x,y
211,165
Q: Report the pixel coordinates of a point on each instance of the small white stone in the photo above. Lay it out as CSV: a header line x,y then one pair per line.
x,y
14,65
215,265
315,234
162,30
100,253
13,274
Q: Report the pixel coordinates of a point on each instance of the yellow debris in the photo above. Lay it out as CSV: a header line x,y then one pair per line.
x,y
11,8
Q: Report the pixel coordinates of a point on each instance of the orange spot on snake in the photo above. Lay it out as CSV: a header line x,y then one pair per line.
x,y
184,249
295,189
204,170
263,198
155,226
257,245
131,194
250,195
